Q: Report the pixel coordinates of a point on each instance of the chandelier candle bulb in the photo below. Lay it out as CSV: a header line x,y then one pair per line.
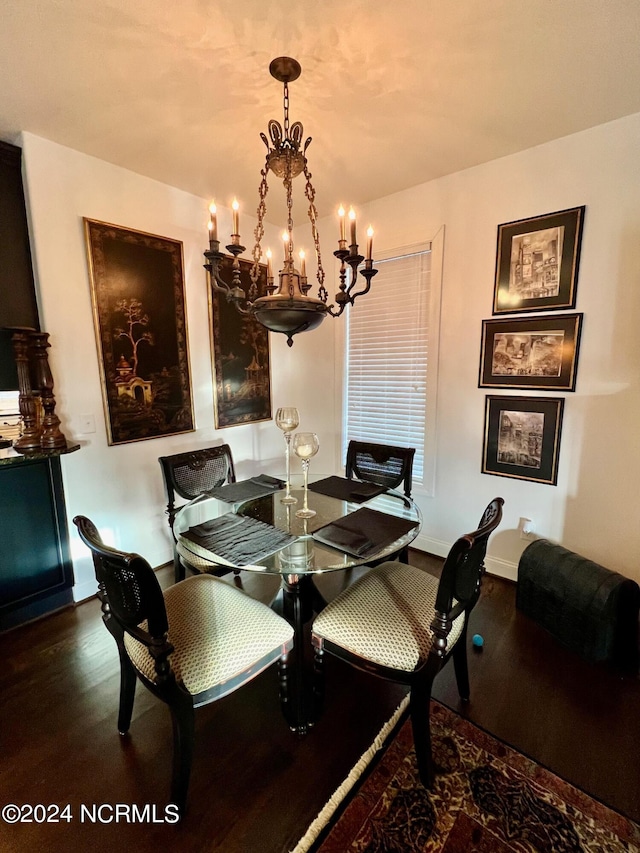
x,y
303,264
369,242
269,269
352,223
343,236
236,228
213,222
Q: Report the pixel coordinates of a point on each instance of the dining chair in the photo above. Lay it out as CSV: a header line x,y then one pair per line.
x,y
189,475
402,624
384,465
193,644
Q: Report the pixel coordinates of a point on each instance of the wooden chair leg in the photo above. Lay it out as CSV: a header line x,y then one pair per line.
x,y
183,724
461,666
420,710
127,670
127,690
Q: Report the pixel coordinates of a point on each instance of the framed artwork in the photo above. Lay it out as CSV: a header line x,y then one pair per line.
x,y
137,289
522,437
530,352
240,351
537,262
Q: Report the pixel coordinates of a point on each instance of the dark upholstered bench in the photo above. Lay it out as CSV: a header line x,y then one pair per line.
x,y
588,608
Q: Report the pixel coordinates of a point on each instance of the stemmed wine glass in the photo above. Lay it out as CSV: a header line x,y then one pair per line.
x,y
305,445
287,419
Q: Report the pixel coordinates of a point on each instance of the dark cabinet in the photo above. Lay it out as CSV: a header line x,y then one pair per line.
x,y
18,306
36,575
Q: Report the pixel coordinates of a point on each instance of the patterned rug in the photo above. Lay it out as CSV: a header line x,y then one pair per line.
x,y
487,799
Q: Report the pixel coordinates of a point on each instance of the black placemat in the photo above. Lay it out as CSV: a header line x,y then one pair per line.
x,y
347,490
238,539
245,490
363,532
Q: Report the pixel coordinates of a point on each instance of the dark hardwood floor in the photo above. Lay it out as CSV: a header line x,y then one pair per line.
x,y
255,785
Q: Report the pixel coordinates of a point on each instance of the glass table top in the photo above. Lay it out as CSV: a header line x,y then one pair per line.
x,y
302,554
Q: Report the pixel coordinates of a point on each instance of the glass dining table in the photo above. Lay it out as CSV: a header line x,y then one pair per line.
x,y
264,535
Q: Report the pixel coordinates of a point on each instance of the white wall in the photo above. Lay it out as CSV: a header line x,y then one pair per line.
x,y
594,509
120,488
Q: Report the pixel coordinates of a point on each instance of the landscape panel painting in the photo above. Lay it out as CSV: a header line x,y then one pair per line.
x,y
137,287
240,352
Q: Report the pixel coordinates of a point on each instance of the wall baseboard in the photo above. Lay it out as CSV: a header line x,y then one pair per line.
x,y
494,565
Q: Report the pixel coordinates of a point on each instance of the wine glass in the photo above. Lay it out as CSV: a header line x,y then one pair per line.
x,y
287,419
305,445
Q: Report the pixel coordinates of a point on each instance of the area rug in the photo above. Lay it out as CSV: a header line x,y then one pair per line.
x,y
488,798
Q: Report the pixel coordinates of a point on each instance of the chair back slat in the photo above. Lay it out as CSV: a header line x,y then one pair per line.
x,y
464,566
382,464
126,581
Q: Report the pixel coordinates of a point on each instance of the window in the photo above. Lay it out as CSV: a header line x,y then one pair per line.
x,y
391,342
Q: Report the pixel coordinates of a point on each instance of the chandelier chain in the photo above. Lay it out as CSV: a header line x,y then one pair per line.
x,y
286,111
310,194
259,229
288,188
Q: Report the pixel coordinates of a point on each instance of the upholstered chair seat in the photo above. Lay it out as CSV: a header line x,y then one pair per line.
x,y
196,562
214,653
385,617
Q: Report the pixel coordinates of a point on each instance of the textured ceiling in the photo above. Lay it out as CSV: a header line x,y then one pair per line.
x,y
393,94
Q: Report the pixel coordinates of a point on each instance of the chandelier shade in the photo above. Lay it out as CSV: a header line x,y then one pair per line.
x,y
287,307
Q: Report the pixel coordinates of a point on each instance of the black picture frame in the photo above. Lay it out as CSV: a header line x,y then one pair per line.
x,y
537,262
240,350
138,297
530,352
522,437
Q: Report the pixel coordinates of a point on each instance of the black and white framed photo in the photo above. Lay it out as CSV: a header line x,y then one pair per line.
x,y
530,352
522,437
537,262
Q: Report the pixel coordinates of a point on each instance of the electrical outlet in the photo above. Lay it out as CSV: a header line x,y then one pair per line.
x,y
86,424
527,529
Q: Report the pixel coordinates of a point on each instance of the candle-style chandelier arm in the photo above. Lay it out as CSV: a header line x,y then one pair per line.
x,y
233,293
346,295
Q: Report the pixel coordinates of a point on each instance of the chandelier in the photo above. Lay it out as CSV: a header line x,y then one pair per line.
x,y
287,307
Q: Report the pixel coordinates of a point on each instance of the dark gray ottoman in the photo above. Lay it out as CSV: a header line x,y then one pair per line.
x,y
588,608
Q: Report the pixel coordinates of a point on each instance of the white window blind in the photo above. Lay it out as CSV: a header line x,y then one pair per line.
x,y
386,363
